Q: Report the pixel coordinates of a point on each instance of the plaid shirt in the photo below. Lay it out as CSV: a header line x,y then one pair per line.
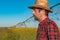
x,y
47,30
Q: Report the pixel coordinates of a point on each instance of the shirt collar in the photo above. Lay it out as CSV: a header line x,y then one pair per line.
x,y
45,20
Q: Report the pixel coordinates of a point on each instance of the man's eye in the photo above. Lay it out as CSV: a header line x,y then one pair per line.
x,y
40,10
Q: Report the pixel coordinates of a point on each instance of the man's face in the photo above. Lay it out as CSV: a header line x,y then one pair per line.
x,y
37,13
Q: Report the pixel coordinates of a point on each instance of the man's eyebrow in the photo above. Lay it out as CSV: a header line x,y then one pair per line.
x,y
39,8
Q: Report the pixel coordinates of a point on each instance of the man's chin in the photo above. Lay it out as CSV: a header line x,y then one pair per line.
x,y
36,19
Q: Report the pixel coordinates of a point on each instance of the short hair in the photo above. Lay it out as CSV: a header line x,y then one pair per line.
x,y
46,12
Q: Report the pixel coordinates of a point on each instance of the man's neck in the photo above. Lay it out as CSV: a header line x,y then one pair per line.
x,y
43,18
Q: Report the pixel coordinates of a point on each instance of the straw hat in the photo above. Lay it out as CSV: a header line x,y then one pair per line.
x,y
41,4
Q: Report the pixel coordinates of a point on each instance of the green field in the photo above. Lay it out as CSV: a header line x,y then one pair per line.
x,y
18,33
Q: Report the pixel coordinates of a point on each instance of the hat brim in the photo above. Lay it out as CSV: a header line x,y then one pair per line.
x,y
39,6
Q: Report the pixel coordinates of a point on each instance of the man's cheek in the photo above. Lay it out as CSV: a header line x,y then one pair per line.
x,y
40,15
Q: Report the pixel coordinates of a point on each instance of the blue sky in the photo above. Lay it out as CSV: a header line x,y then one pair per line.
x,y
15,11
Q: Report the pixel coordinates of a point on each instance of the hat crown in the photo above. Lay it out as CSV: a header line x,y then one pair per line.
x,y
42,2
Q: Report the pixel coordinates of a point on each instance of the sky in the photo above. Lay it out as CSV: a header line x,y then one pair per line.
x,y
15,11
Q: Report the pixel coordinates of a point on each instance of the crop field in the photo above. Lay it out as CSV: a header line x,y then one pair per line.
x,y
18,33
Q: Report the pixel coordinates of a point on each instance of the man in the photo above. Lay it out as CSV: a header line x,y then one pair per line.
x,y
47,29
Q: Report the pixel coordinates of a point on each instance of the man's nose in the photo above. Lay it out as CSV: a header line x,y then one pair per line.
x,y
33,12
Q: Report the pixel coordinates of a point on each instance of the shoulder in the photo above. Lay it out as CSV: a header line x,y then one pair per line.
x,y
50,22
